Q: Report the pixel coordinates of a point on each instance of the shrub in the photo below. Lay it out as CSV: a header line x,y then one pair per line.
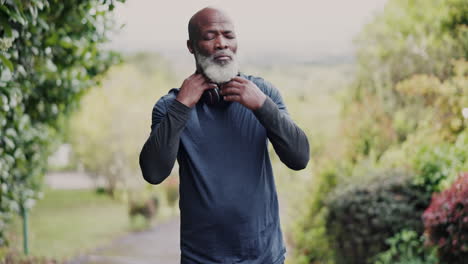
x,y
364,215
146,209
436,165
407,247
143,206
446,221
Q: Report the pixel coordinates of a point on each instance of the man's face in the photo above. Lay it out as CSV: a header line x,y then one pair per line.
x,y
215,47
215,34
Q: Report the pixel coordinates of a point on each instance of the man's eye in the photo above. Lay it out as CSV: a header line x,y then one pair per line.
x,y
230,35
209,36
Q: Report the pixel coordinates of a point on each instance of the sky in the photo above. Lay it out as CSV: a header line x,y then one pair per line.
x,y
303,29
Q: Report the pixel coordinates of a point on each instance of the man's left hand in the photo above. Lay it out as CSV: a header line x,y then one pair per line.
x,y
244,92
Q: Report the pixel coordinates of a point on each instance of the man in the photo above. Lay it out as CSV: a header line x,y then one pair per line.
x,y
228,200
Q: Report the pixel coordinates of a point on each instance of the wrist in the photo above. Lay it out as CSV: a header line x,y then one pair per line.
x,y
185,102
260,103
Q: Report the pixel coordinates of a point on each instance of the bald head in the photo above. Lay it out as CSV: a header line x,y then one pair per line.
x,y
204,17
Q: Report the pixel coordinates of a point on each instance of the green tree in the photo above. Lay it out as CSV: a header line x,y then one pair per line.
x,y
409,37
114,120
51,53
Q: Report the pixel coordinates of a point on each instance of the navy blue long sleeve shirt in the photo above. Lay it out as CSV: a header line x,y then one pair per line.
x,y
228,200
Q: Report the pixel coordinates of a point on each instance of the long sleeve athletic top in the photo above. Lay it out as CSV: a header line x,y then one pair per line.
x,y
228,200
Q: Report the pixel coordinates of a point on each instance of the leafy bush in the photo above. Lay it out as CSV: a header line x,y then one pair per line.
x,y
437,165
363,215
144,206
407,247
446,221
146,209
428,102
50,53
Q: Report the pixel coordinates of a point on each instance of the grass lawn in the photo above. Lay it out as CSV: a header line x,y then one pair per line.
x,y
69,222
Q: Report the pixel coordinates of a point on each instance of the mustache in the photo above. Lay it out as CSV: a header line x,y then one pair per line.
x,y
223,53
211,57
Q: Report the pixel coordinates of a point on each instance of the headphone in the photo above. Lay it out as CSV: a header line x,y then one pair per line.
x,y
213,97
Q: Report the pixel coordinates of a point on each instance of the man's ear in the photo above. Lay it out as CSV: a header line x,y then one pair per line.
x,y
190,46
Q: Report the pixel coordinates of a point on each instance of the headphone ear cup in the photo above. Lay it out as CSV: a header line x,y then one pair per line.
x,y
213,97
206,97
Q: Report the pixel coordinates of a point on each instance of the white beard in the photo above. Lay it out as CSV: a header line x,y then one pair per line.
x,y
218,72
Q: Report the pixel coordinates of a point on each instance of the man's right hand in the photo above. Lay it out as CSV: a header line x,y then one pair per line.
x,y
192,89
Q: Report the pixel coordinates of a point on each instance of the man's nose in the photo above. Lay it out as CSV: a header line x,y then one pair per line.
x,y
221,43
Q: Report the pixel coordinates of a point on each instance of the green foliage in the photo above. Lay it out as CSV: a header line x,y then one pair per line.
x,y
364,214
408,38
403,110
50,53
407,247
429,103
438,165
429,108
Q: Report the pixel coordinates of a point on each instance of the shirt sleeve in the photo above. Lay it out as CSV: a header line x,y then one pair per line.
x,y
289,141
159,152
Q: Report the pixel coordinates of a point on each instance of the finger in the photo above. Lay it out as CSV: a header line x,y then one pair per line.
x,y
232,98
239,79
207,85
233,84
200,76
208,82
230,90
